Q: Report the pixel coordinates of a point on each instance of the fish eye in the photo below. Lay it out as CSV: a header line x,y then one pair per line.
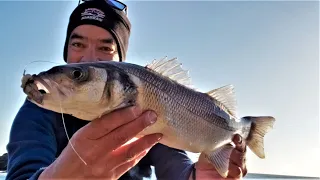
x,y
76,74
79,74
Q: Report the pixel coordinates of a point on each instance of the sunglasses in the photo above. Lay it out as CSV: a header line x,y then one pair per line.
x,y
113,3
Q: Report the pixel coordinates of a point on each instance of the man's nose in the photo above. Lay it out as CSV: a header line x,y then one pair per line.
x,y
89,55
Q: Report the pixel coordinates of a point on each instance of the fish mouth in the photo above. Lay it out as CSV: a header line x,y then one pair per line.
x,y
46,86
42,85
35,87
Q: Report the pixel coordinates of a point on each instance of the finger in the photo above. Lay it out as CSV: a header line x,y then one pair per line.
x,y
131,151
114,139
244,171
234,171
108,162
107,123
123,134
119,171
240,144
238,158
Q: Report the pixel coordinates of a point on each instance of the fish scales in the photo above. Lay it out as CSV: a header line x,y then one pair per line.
x,y
179,124
180,94
178,117
182,118
190,100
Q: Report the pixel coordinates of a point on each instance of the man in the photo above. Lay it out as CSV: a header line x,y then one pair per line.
x,y
38,147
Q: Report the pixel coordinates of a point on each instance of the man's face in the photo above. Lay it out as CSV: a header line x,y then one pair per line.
x,y
91,43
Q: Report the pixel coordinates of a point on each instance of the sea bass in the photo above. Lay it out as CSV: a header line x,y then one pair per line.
x,y
189,120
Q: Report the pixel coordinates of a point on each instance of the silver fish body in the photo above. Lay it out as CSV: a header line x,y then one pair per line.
x,y
188,119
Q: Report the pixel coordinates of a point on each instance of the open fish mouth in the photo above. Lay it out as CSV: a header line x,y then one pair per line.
x,y
35,87
42,85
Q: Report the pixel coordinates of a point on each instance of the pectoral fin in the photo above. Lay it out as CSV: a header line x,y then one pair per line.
x,y
220,159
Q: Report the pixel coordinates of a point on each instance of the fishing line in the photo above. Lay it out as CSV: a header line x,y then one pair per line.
x,y
65,128
61,109
25,67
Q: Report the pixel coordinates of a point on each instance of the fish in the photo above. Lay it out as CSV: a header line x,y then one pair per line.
x,y
190,120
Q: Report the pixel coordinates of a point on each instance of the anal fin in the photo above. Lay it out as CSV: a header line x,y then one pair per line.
x,y
220,159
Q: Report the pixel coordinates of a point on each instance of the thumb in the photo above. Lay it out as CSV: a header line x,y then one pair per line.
x,y
239,143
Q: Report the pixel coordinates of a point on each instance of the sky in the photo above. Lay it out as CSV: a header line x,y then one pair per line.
x,y
268,50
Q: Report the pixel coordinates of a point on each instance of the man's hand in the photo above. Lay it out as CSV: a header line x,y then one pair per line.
x,y
237,164
101,145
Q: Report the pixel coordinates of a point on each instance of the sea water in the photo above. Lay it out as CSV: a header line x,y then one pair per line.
x,y
2,176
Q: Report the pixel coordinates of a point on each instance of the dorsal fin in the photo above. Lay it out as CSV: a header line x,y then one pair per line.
x,y
225,96
172,69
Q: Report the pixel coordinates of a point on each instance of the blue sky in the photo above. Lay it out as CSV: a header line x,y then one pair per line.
x,y
269,50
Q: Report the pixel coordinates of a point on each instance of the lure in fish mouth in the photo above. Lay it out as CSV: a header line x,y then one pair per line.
x,y
199,122
34,87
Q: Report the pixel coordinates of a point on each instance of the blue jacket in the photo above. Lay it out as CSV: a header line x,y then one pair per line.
x,y
37,137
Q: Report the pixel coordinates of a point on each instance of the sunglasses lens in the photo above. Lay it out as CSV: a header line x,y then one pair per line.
x,y
113,3
116,4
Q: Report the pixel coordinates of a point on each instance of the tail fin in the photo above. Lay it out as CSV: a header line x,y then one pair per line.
x,y
259,128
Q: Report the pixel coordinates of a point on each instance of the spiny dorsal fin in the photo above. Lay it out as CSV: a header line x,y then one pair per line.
x,y
172,69
225,95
